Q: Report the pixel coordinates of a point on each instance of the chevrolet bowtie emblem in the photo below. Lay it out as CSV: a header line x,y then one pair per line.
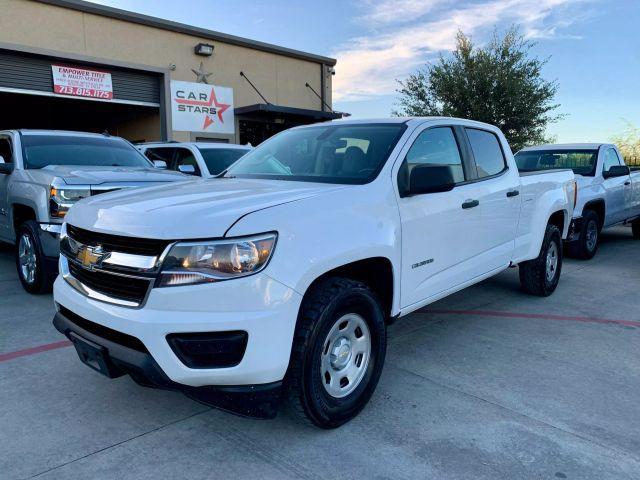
x,y
91,257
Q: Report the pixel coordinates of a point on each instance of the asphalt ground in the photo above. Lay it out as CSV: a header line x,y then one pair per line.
x,y
487,384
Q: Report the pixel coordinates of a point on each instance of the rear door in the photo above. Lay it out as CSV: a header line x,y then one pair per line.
x,y
438,233
615,187
6,151
496,189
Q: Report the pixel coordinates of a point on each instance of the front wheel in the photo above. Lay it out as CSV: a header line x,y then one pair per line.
x,y
541,275
32,268
338,353
586,246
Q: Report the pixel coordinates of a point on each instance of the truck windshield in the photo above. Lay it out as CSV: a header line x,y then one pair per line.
x,y
582,162
348,154
218,159
40,151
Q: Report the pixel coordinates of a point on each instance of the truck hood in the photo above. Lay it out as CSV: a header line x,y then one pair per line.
x,y
203,208
94,175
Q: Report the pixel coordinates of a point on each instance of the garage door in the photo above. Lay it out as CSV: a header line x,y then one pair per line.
x,y
22,73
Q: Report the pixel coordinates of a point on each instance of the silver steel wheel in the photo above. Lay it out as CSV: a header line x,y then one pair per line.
x,y
552,261
591,235
345,355
27,257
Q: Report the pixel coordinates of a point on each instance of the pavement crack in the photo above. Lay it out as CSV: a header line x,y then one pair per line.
x,y
161,427
584,438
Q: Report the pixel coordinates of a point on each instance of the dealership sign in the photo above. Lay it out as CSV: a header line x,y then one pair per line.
x,y
200,107
79,82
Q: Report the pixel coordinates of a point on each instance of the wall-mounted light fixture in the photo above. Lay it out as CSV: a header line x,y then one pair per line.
x,y
203,49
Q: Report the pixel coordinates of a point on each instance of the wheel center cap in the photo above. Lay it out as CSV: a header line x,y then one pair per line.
x,y
341,353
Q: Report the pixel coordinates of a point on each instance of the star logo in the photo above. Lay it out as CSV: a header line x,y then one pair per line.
x,y
201,74
220,108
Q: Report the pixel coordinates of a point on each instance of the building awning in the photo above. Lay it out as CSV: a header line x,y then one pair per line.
x,y
269,111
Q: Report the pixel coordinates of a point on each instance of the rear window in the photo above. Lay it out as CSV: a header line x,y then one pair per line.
x,y
219,159
581,161
40,151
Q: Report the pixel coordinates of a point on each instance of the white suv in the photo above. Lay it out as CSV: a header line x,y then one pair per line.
x,y
202,159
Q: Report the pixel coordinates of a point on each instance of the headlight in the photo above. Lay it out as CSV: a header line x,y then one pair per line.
x,y
190,263
62,199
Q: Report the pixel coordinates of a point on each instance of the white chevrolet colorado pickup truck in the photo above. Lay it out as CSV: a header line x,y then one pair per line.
x,y
280,276
43,173
608,191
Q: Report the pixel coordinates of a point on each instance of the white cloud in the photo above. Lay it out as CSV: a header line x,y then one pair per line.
x,y
369,65
397,11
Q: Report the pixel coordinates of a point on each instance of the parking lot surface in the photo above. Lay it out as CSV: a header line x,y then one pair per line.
x,y
488,383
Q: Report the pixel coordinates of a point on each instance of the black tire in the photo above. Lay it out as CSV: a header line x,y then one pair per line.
x,y
43,277
321,309
635,228
533,274
586,247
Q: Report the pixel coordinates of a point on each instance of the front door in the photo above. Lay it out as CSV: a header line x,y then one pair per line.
x,y
615,188
6,152
437,232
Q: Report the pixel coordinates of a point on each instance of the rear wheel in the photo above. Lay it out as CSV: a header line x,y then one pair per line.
x,y
587,244
635,228
338,352
541,275
30,260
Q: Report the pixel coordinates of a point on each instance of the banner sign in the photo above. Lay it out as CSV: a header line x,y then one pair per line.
x,y
199,107
79,82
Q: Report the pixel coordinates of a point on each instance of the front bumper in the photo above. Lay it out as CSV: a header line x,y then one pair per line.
x,y
260,401
259,305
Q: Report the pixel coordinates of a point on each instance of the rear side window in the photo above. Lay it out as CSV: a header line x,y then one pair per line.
x,y
487,152
185,157
219,159
162,154
436,146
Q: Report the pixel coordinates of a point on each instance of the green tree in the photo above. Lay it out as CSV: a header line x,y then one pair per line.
x,y
500,84
629,144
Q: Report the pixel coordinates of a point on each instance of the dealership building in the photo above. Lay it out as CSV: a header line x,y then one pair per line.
x,y
75,65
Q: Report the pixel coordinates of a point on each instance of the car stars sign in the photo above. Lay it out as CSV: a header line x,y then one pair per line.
x,y
199,107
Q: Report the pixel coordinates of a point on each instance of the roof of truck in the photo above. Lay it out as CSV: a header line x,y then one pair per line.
x,y
27,131
204,145
566,146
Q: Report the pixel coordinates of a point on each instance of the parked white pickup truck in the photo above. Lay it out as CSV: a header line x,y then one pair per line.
x,y
201,159
43,173
281,276
608,191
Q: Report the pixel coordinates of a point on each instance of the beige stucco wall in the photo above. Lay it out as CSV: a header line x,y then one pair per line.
x,y
281,79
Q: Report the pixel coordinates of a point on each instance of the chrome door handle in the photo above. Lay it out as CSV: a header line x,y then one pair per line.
x,y
470,204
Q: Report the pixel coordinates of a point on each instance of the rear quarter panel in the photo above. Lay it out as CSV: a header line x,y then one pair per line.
x,y
543,194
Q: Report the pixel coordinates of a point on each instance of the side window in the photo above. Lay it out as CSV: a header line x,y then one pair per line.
x,y
487,152
610,159
5,150
164,154
185,157
437,147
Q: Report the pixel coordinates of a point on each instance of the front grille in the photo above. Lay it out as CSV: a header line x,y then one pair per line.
x,y
117,243
114,286
104,332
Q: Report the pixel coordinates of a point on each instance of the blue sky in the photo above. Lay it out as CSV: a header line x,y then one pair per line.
x,y
593,45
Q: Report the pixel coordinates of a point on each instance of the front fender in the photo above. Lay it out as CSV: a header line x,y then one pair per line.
x,y
319,234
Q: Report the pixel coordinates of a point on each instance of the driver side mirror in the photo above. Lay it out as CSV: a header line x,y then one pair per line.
x,y
5,168
430,179
187,169
161,164
617,171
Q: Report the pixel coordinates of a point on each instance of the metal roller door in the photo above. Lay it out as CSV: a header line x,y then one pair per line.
x,y
24,73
